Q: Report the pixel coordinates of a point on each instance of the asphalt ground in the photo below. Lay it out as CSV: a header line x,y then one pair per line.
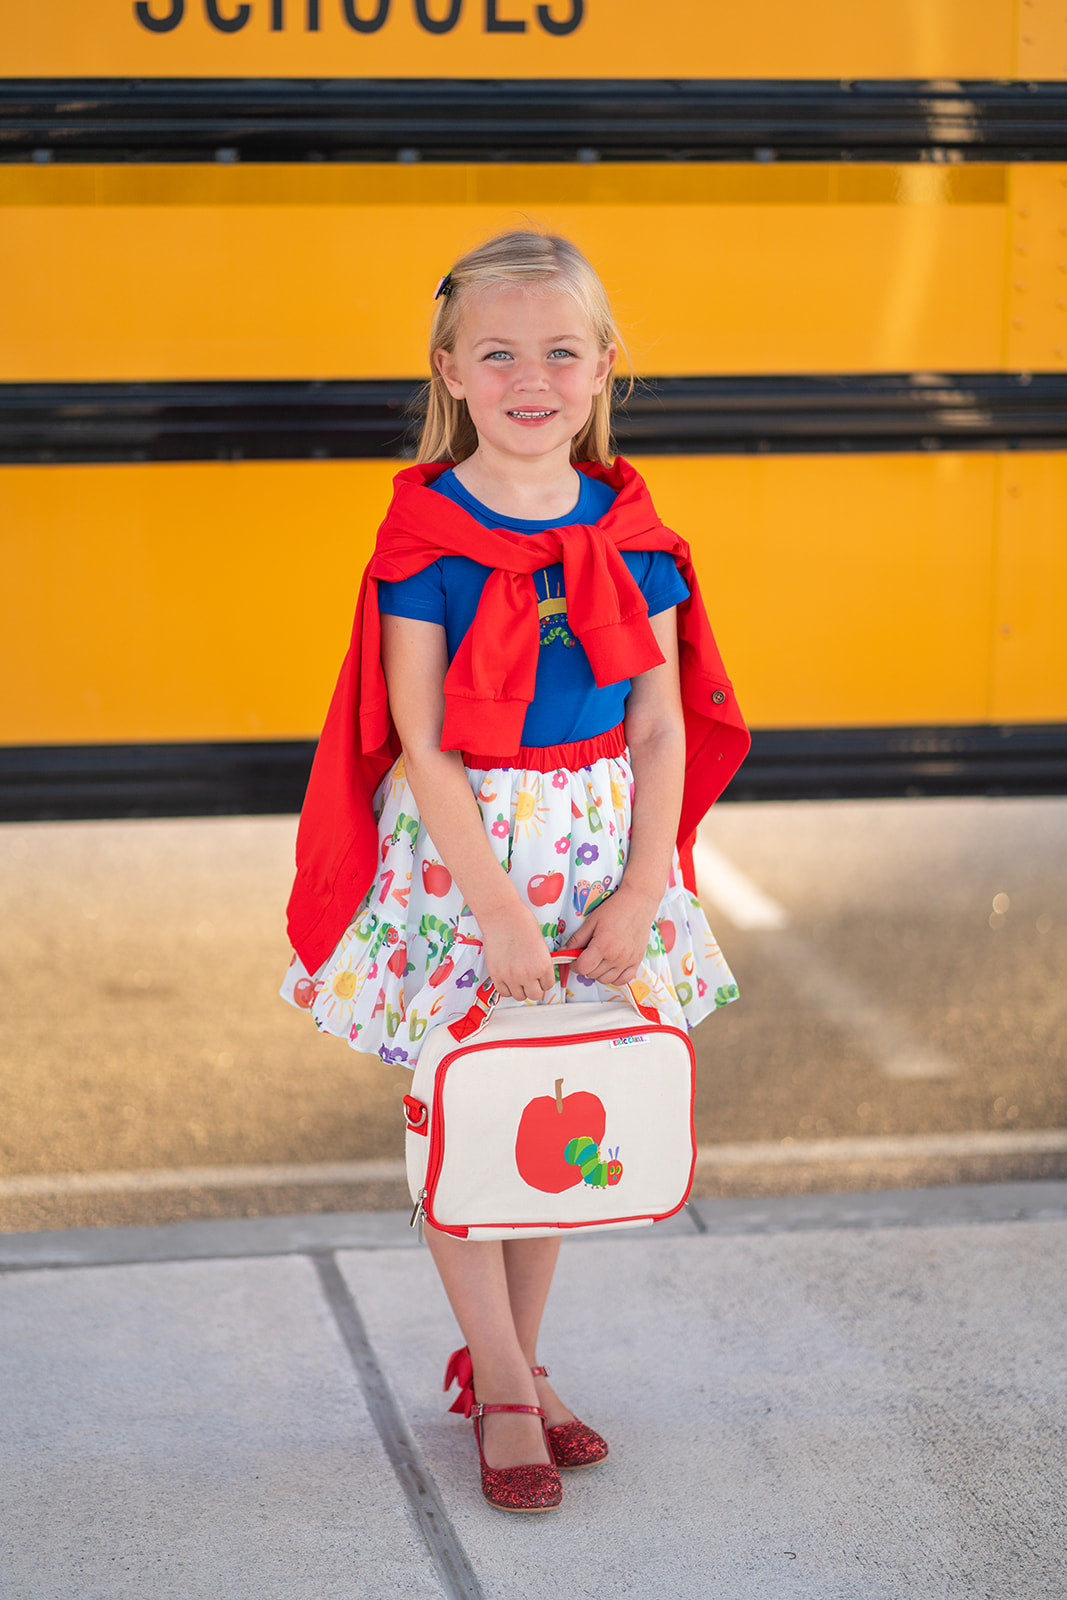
x,y
903,1019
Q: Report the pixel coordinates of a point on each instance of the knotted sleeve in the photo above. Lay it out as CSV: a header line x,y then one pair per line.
x,y
491,679
605,607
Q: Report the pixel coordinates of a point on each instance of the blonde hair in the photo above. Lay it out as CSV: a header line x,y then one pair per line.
x,y
536,261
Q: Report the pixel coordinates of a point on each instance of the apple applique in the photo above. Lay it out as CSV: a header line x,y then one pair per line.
x,y
304,991
436,879
545,888
546,1128
668,933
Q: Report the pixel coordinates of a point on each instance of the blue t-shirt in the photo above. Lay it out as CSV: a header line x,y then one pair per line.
x,y
567,704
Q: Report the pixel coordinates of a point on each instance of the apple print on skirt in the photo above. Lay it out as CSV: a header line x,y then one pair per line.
x,y
412,956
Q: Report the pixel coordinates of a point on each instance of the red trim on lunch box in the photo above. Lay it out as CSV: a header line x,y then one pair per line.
x,y
466,1231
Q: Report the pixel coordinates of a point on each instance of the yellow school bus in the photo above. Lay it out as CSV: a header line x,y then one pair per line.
x,y
835,237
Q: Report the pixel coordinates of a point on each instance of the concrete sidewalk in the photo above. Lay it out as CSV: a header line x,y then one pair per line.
x,y
844,1397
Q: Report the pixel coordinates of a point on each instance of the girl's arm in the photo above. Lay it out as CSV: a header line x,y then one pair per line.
x,y
616,934
415,660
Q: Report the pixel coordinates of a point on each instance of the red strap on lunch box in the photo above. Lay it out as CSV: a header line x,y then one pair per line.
x,y
476,1018
417,1115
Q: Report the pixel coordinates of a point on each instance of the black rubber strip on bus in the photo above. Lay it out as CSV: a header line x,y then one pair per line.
x,y
530,120
42,783
294,420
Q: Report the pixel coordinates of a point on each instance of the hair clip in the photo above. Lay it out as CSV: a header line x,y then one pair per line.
x,y
444,287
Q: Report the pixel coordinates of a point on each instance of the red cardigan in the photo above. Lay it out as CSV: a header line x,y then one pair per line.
x,y
490,681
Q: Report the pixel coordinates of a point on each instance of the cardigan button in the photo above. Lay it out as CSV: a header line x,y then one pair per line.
x,y
718,697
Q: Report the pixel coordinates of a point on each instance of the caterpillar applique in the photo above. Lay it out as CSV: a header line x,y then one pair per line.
x,y
584,1153
408,825
553,621
440,936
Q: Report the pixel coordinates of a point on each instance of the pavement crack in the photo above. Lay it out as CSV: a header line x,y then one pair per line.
x,y
423,1496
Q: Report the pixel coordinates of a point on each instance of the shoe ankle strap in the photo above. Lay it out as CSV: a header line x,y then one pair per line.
x,y
478,1410
540,1372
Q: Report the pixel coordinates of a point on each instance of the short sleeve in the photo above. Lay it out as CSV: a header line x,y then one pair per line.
x,y
421,596
661,583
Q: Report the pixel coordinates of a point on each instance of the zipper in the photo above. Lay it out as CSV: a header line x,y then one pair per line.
x,y
557,1039
419,1211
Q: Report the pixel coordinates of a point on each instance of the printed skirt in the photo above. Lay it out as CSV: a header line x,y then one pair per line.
x,y
559,822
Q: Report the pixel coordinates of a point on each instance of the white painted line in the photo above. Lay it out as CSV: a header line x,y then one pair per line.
x,y
898,1051
888,1040
787,1152
736,896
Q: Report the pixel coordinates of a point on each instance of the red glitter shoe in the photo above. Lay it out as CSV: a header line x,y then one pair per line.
x,y
573,1444
535,1487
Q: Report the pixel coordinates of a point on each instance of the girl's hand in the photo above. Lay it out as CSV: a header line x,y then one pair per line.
x,y
614,936
516,953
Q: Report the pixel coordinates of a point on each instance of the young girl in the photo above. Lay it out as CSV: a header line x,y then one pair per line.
x,y
512,699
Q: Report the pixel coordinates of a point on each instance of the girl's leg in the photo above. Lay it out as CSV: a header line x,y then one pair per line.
x,y
529,1265
477,1285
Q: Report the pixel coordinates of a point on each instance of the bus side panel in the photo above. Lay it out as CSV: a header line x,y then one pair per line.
x,y
196,272
1029,636
213,601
